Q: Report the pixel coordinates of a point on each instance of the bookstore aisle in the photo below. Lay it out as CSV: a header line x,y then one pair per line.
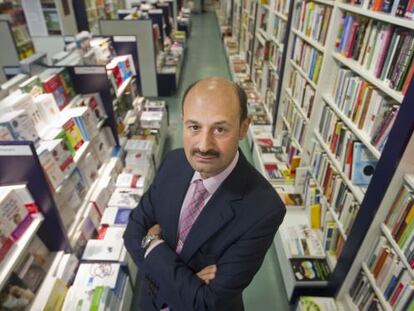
x,y
206,57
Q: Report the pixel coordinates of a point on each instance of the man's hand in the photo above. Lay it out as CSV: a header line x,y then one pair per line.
x,y
155,229
207,274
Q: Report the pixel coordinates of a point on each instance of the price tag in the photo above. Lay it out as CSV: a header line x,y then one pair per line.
x,y
15,150
90,70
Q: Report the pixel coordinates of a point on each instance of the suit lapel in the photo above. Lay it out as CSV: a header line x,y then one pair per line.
x,y
218,210
177,192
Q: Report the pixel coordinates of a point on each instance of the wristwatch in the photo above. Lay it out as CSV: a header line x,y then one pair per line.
x,y
148,239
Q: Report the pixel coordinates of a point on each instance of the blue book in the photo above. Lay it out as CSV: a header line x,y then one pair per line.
x,y
363,165
122,216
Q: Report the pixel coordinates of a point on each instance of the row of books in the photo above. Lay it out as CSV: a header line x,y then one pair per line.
x,y
302,92
297,125
365,106
355,159
400,221
281,6
336,192
24,281
391,275
382,49
308,58
17,209
363,295
275,56
399,8
303,241
279,29
313,20
264,15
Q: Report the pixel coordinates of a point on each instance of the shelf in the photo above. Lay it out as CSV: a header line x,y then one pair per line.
x,y
280,45
309,40
355,66
327,2
274,68
85,204
303,74
386,17
81,152
298,108
331,260
357,191
374,286
396,248
15,254
123,86
348,304
294,140
263,33
409,179
330,209
278,14
260,37
351,125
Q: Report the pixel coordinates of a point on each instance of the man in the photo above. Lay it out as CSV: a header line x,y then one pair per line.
x,y
209,217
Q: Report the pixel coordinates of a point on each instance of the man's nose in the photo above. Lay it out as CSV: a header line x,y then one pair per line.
x,y
206,141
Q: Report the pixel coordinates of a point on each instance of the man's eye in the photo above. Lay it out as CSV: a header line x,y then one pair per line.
x,y
194,127
220,130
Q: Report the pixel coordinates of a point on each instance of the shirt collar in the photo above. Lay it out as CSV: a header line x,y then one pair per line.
x,y
212,183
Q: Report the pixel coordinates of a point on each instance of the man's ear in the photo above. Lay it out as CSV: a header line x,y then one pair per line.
x,y
244,127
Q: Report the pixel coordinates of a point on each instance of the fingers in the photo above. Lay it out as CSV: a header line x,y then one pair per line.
x,y
207,274
155,229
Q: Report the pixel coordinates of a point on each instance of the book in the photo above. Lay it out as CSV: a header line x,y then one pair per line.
x,y
53,84
114,216
309,270
125,197
307,303
97,274
102,250
364,164
32,86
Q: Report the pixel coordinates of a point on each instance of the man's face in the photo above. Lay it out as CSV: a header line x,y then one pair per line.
x,y
211,126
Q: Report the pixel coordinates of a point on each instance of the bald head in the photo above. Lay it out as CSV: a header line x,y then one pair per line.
x,y
219,86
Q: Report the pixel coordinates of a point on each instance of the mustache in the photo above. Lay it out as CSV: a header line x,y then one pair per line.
x,y
208,153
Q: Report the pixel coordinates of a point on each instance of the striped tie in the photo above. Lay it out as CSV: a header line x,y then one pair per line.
x,y
190,214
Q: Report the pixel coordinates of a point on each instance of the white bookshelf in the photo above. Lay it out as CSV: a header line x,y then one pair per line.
x,y
16,252
297,106
303,74
309,40
351,125
374,286
368,76
386,232
388,18
358,192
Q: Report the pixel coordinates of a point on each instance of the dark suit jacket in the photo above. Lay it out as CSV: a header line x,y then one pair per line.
x,y
233,231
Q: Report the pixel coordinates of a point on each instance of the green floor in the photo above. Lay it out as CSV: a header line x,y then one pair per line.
x,y
206,57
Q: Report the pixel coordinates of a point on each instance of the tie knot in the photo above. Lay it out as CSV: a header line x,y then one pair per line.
x,y
200,189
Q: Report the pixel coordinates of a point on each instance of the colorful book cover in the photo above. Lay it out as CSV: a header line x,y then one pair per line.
x,y
363,165
53,85
73,134
33,86
310,269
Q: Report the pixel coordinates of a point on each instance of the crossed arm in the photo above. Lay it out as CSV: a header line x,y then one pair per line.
x,y
213,286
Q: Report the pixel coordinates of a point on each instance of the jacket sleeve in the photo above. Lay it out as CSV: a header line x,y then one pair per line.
x,y
235,269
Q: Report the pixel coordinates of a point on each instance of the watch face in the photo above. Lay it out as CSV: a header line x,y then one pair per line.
x,y
145,241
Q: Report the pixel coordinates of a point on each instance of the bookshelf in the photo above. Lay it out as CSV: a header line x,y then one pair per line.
x,y
316,56
15,254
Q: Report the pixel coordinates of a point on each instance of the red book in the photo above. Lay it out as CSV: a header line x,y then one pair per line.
x,y
54,85
377,5
350,43
101,232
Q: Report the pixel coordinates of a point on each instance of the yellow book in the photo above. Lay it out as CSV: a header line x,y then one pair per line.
x,y
315,216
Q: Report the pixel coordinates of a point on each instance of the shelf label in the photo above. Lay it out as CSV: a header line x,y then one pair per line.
x,y
15,150
124,39
90,70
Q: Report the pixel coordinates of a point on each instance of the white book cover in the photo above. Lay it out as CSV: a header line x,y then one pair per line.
x,y
139,145
114,233
127,180
20,125
114,216
60,153
54,174
97,274
102,250
67,267
125,197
